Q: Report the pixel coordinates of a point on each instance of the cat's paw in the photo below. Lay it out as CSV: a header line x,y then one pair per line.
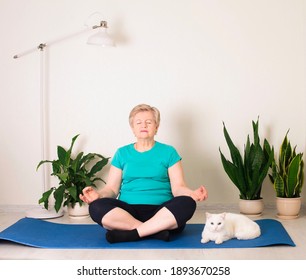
x,y
204,240
218,241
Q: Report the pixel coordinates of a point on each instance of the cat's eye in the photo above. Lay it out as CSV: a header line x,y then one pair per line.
x,y
219,223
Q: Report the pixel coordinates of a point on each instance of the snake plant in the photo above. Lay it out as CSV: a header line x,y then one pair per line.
x,y
287,175
74,174
249,170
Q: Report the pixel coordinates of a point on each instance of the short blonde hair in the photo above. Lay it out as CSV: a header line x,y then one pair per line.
x,y
144,108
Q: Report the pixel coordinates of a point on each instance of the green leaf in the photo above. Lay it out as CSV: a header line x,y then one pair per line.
x,y
76,163
255,132
301,177
293,176
97,179
56,167
59,197
86,159
71,146
98,167
62,156
234,151
45,198
42,162
73,192
62,176
233,173
279,186
72,142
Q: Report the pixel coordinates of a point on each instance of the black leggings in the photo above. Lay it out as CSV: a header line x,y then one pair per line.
x,y
182,208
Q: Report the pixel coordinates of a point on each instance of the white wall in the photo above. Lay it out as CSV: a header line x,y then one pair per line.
x,y
200,62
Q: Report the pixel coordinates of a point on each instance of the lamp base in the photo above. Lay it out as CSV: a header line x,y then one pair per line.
x,y
42,213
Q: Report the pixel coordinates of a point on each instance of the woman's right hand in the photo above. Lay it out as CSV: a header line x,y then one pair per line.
x,y
89,195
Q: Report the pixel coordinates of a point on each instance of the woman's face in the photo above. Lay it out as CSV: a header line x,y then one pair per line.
x,y
144,125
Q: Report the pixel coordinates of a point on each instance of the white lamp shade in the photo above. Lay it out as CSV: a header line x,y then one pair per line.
x,y
101,38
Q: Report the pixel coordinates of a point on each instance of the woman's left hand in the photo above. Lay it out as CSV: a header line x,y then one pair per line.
x,y
200,194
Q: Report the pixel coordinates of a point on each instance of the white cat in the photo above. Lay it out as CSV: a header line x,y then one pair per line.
x,y
225,226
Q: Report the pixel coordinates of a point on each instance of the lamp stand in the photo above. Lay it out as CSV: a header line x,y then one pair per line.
x,y
40,212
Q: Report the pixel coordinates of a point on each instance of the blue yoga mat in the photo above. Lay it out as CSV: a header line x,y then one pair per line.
x,y
44,234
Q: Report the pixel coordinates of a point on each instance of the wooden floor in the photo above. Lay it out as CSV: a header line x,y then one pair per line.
x,y
296,229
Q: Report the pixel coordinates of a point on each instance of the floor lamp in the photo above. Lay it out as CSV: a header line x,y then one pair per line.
x,y
100,38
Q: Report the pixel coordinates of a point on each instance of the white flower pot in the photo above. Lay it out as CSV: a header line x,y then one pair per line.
x,y
253,208
78,211
288,208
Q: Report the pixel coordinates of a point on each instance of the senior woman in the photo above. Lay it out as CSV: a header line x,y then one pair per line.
x,y
146,194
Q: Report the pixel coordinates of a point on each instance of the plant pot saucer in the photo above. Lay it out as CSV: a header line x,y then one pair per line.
x,y
78,217
41,213
285,217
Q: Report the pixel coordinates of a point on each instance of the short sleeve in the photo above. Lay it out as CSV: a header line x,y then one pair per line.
x,y
116,160
174,156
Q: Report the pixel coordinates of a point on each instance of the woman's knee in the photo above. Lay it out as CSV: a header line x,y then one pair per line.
x,y
95,211
98,208
186,203
182,207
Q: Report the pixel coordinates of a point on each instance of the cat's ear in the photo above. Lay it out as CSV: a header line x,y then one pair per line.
x,y
208,215
223,215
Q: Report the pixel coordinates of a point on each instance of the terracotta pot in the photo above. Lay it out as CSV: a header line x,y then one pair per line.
x,y
78,211
251,207
288,208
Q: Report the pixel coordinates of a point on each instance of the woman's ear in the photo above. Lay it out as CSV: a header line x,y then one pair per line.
x,y
156,129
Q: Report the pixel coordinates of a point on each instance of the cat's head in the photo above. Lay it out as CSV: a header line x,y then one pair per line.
x,y
215,222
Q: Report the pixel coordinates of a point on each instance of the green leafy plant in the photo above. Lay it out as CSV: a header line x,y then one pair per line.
x,y
287,175
248,172
74,174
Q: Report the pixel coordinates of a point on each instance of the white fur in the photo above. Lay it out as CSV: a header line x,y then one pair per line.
x,y
225,226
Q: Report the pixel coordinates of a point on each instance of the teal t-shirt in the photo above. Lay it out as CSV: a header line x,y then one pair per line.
x,y
145,178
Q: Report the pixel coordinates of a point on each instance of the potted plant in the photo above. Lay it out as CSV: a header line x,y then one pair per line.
x,y
74,174
249,170
287,176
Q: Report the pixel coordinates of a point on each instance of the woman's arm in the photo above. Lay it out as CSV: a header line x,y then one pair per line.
x,y
179,187
112,187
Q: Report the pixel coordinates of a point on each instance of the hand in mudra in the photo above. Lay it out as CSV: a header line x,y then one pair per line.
x,y
200,194
89,195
